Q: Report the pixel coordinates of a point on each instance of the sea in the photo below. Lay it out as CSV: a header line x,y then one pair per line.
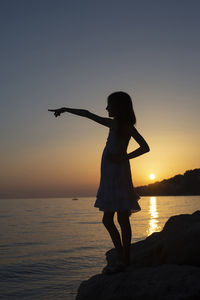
x,y
49,246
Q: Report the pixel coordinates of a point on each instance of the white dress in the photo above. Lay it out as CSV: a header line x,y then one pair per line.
x,y
116,191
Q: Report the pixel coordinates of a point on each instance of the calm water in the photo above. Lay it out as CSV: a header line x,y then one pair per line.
x,y
48,246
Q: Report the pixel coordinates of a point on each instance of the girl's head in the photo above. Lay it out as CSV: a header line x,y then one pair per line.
x,y
120,107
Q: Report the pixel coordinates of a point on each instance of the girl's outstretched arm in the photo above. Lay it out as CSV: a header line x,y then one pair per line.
x,y
144,147
83,113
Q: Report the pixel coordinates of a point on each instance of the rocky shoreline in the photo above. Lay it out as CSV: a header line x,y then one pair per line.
x,y
166,265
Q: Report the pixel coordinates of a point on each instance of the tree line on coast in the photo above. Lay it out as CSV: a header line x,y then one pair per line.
x,y
186,184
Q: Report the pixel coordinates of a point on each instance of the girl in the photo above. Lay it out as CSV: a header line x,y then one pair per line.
x,y
116,192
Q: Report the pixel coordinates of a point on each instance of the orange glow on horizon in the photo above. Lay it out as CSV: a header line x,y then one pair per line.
x,y
74,168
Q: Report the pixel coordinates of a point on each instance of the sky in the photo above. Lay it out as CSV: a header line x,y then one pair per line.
x,y
74,54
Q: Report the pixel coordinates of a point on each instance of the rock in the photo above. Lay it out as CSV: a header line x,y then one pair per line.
x,y
171,282
166,265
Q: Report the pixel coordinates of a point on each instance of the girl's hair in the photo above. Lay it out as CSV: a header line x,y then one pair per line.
x,y
125,113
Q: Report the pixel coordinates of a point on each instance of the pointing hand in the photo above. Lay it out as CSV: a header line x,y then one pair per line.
x,y
57,112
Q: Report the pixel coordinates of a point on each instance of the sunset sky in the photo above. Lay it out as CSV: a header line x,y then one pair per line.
x,y
74,54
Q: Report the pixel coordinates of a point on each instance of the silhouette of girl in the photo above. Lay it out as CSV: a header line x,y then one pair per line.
x,y
116,192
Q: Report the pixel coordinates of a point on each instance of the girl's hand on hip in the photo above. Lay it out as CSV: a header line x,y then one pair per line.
x,y
117,158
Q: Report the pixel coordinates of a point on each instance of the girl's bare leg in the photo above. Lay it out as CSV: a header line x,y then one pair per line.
x,y
113,231
123,219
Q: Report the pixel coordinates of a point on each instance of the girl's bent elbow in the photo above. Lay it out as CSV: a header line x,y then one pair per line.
x,y
147,148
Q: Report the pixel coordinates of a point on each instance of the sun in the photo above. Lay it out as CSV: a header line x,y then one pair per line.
x,y
152,176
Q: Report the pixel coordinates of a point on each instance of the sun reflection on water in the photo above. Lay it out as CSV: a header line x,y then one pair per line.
x,y
153,222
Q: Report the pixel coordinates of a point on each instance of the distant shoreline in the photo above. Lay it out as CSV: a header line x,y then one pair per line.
x,y
187,184
79,198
